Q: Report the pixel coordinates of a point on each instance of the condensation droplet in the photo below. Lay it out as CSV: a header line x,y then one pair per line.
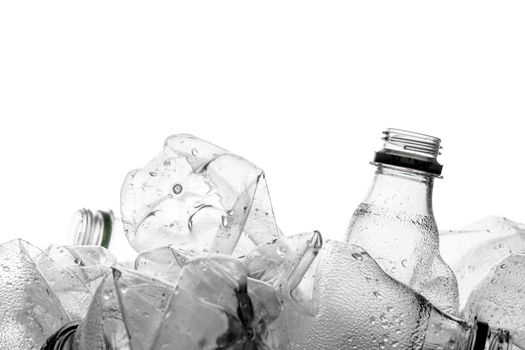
x,y
177,188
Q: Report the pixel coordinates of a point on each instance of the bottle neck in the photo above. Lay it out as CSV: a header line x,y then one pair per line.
x,y
92,228
402,189
485,338
63,338
448,333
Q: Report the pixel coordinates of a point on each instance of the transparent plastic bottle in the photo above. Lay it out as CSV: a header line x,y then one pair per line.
x,y
474,249
500,298
101,228
395,223
358,306
213,306
216,305
37,296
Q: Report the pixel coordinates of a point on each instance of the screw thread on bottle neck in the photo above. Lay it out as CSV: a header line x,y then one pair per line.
x,y
410,150
91,228
413,143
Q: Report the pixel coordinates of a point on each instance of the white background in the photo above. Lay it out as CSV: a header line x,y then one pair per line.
x,y
89,91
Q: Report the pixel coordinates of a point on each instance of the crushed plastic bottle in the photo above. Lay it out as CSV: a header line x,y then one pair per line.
x,y
90,264
213,306
38,296
395,223
499,298
164,263
197,196
358,306
482,245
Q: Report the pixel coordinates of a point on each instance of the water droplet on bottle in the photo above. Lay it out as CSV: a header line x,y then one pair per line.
x,y
107,294
503,266
404,262
194,152
177,188
377,294
152,174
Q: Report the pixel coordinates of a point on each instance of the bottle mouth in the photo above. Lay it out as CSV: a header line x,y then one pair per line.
x,y
61,338
484,337
410,150
88,228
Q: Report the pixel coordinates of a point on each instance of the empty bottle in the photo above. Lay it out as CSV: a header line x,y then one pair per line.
x,y
197,196
37,296
395,223
499,298
358,306
213,306
483,244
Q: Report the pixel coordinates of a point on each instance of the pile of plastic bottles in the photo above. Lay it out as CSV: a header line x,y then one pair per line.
x,y
214,271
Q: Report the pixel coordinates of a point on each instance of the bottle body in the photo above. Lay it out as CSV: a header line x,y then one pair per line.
x,y
484,244
357,306
361,307
395,224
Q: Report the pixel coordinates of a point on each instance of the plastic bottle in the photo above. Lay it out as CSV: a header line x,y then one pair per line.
x,y
395,223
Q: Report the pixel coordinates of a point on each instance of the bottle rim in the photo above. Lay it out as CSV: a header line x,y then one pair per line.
x,y
411,150
61,337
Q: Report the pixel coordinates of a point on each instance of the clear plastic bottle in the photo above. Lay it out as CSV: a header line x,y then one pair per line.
x,y
197,196
395,223
213,306
500,298
358,306
474,249
216,304
101,228
37,296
